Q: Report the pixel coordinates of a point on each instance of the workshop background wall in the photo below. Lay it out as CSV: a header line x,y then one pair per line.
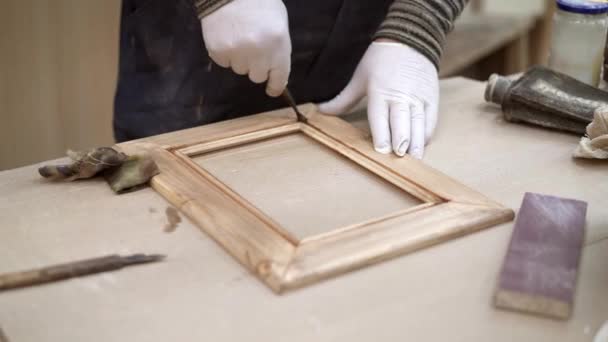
x,y
58,67
510,7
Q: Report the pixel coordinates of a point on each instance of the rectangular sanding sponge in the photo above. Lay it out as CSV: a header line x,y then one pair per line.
x,y
540,269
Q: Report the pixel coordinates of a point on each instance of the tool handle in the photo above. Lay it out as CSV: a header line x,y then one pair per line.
x,y
60,272
291,102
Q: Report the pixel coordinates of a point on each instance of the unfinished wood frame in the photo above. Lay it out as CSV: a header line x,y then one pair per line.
x,y
448,210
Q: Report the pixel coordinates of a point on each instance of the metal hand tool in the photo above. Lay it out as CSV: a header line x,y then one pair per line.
x,y
289,99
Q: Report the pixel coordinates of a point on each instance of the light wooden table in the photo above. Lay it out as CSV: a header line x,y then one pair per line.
x,y
201,294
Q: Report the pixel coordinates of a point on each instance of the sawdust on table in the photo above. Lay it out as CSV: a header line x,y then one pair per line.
x,y
173,219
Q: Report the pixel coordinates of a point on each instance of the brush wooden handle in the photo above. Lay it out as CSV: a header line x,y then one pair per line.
x,y
60,272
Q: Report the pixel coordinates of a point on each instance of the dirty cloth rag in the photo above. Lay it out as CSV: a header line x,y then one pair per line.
x,y
122,172
594,145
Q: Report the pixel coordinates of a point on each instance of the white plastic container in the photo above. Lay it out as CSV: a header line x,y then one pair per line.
x,y
579,38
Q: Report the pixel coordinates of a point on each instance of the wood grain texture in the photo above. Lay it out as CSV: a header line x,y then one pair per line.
x,y
222,130
414,171
246,236
246,138
304,186
386,239
245,203
387,173
278,254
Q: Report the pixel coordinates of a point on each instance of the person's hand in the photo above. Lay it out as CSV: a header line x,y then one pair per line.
x,y
252,38
402,90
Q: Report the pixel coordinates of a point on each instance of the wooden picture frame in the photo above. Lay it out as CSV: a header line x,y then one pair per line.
x,y
275,256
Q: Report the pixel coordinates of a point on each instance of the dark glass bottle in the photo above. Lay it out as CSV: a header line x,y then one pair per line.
x,y
546,98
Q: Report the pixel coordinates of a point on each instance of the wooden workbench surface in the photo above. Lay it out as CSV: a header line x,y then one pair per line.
x,y
201,294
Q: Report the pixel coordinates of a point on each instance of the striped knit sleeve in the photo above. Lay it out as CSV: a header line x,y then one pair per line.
x,y
206,7
421,24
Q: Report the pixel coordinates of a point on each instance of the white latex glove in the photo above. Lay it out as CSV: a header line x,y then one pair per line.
x,y
602,334
252,38
402,90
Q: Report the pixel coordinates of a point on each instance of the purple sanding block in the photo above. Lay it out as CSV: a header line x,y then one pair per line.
x,y
540,269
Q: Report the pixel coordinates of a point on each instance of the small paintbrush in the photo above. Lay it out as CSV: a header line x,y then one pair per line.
x,y
73,269
289,99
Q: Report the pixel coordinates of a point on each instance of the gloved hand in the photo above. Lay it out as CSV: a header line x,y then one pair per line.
x,y
402,90
252,38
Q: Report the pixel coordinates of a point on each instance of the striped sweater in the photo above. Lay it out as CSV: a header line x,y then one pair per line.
x,y
420,24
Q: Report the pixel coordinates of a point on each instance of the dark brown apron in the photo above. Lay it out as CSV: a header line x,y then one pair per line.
x,y
167,81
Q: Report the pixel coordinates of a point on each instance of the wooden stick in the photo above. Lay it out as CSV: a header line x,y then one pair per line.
x,y
72,270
